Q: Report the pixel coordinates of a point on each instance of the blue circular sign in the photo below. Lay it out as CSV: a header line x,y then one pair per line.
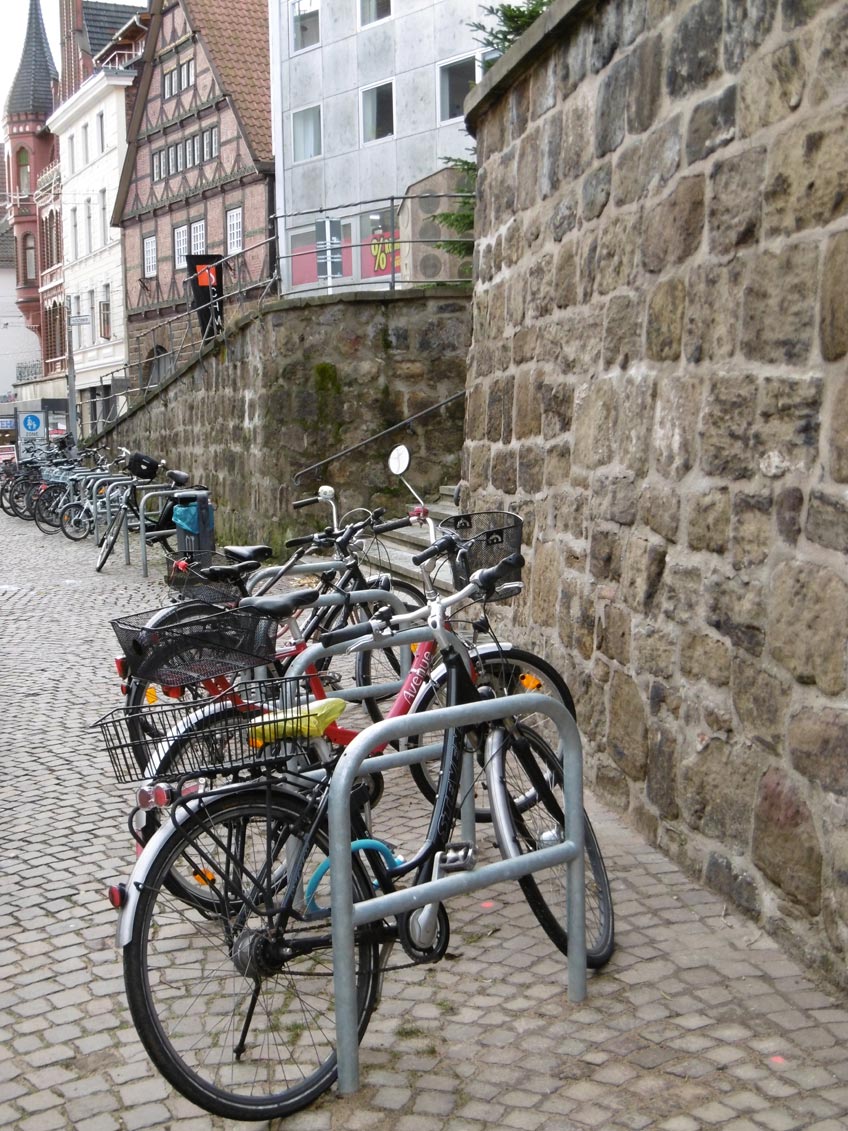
x,y
32,423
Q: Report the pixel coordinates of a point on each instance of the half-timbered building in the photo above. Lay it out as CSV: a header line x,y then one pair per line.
x,y
198,176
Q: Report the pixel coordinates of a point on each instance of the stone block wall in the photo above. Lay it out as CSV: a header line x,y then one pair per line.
x,y
299,381
658,385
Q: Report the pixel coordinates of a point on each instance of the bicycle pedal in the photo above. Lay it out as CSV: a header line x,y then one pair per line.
x,y
459,857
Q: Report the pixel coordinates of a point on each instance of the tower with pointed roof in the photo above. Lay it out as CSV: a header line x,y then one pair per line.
x,y
29,151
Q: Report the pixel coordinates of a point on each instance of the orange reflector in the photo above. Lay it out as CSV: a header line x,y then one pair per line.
x,y
204,876
529,682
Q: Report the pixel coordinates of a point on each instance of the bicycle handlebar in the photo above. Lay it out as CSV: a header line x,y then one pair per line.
x,y
447,542
299,503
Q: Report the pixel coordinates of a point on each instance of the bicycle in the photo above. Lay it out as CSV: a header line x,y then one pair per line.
x,y
232,993
143,469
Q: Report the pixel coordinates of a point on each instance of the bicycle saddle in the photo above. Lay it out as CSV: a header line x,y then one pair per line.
x,y
178,478
248,553
281,607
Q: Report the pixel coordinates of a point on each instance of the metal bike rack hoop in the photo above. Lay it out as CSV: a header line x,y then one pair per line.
x,y
345,914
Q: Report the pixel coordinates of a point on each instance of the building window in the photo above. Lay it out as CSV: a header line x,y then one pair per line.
x,y
192,151
89,245
150,264
24,180
92,314
455,81
85,144
104,219
106,312
171,78
378,114
101,133
76,329
372,10
29,259
198,237
74,235
210,143
72,154
306,133
180,247
379,244
306,24
234,230
186,74
176,158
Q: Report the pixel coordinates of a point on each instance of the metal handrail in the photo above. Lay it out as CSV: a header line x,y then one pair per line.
x,y
377,436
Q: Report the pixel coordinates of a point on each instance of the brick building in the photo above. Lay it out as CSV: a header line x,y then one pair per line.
x,y
198,177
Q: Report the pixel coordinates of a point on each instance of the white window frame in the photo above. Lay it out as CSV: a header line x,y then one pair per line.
x,y
297,114
104,218
445,65
211,143
85,152
151,262
105,313
310,7
197,241
360,5
89,229
74,234
180,247
72,156
362,93
101,132
234,224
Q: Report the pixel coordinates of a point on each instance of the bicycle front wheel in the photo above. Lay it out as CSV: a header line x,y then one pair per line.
x,y
109,540
526,783
235,1006
45,510
74,522
507,671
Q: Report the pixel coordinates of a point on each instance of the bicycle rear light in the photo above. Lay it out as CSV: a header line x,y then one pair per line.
x,y
122,666
144,798
163,795
173,692
117,895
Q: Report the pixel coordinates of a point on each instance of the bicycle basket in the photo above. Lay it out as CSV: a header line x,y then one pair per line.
x,y
489,537
142,466
181,652
264,723
185,576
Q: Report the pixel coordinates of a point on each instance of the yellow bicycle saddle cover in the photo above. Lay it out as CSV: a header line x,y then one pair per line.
x,y
310,721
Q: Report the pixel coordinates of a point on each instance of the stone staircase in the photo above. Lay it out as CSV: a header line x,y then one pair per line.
x,y
400,545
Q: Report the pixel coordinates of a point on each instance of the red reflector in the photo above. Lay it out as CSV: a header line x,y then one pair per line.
x,y
162,795
145,797
173,692
117,895
122,666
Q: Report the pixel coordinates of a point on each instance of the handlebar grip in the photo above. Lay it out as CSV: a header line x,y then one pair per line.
x,y
303,540
488,578
298,503
392,524
349,632
433,551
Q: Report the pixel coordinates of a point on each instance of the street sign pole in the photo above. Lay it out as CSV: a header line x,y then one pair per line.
x,y
73,423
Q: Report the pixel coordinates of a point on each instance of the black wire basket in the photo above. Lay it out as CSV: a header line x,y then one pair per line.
x,y
183,650
488,537
256,724
185,577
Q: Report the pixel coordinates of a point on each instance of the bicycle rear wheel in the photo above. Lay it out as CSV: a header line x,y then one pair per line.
x,y
45,510
236,1007
526,778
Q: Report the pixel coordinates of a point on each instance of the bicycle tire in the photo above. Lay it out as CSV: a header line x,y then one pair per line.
x,y
18,493
508,670
44,511
75,522
189,975
4,497
109,539
522,765
382,665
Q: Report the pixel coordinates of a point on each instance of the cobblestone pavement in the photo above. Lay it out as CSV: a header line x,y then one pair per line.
x,y
698,1022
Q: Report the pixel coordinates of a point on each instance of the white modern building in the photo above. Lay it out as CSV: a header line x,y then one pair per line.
x,y
91,127
367,100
